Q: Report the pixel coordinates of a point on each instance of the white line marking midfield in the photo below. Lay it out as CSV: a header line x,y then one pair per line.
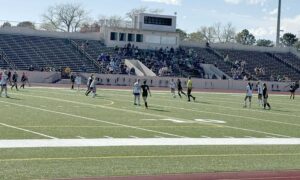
x,y
108,142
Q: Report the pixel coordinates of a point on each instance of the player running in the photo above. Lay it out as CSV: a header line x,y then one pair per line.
x,y
3,84
248,95
266,96
260,93
172,87
93,88
15,81
179,88
24,79
137,92
145,91
88,84
189,89
293,87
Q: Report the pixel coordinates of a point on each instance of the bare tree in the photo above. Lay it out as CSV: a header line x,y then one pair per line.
x,y
110,21
208,33
64,17
228,33
218,31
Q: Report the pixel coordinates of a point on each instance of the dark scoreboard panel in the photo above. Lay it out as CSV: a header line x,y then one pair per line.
x,y
157,21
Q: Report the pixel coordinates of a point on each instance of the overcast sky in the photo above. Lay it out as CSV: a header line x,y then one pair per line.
x,y
259,16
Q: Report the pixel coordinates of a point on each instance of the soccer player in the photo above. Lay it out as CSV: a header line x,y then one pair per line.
x,y
78,81
72,78
15,81
260,93
88,85
293,87
24,79
179,88
137,92
266,96
248,94
3,84
189,89
93,88
173,86
145,91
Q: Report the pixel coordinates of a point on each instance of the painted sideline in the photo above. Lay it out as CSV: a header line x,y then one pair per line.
x,y
38,143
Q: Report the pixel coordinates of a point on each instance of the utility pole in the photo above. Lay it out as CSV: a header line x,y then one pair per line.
x,y
278,23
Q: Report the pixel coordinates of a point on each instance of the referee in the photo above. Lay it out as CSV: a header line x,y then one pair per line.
x,y
189,89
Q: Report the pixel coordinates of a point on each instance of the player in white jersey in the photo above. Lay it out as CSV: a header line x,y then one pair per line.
x,y
78,81
137,92
249,92
260,93
3,84
93,88
172,87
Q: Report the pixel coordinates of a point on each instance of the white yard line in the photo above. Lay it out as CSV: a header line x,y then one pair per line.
x,y
80,137
108,137
159,137
92,119
146,142
156,115
134,137
26,130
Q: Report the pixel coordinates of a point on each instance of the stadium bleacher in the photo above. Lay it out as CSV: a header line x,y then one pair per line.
x,y
24,51
43,52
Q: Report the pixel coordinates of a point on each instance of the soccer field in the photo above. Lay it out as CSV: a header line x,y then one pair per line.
x,y
108,136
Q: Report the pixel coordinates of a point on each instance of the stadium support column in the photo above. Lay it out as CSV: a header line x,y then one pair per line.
x,y
278,23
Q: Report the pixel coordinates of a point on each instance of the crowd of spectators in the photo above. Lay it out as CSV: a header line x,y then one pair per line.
x,y
162,61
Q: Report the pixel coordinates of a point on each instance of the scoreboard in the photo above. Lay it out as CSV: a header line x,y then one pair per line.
x,y
155,22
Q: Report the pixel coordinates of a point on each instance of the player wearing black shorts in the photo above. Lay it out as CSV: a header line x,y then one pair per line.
x,y
88,85
293,88
15,81
145,92
266,96
179,88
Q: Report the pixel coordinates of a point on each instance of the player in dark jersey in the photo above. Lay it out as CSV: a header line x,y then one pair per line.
x,y
293,87
145,92
15,81
266,96
179,88
24,79
72,78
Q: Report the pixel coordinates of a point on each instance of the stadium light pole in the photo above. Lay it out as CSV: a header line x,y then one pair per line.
x,y
278,23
